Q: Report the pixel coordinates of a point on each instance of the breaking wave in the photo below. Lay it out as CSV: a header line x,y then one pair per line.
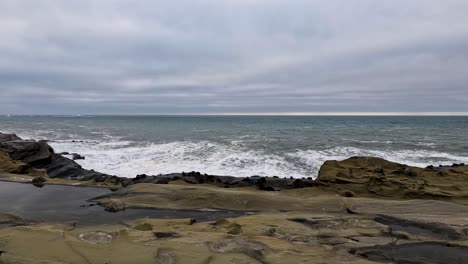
x,y
129,158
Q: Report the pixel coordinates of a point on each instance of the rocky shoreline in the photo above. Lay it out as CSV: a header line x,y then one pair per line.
x,y
359,210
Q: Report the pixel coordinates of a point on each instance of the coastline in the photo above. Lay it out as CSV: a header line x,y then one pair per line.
x,y
359,210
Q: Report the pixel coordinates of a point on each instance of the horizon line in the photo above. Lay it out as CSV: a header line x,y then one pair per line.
x,y
268,114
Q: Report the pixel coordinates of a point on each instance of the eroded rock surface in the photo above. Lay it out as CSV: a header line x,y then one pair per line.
x,y
364,176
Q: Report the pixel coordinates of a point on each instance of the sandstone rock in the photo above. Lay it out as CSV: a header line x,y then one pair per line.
x,y
97,237
143,227
114,205
368,176
235,229
165,256
17,167
239,245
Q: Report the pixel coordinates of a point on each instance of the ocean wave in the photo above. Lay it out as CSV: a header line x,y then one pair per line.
x,y
129,158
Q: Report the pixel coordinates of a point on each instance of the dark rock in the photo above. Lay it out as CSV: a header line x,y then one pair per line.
x,y
415,253
161,181
347,193
64,153
162,235
298,183
76,156
270,232
34,153
38,179
191,180
140,177
8,137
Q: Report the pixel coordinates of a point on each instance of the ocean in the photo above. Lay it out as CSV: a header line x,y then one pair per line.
x,y
281,146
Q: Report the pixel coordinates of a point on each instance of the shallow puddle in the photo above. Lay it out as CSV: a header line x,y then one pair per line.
x,y
68,204
417,253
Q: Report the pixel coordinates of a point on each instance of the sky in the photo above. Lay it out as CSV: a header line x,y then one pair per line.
x,y
233,57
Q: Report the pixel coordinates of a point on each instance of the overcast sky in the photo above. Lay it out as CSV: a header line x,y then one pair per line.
x,y
222,56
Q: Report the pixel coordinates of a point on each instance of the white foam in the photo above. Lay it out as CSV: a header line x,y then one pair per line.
x,y
127,158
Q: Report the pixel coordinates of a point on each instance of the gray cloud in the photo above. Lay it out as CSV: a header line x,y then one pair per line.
x,y
156,57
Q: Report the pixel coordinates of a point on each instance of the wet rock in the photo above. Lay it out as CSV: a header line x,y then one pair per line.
x,y
298,184
114,205
161,181
191,180
416,253
38,181
76,156
34,153
40,155
8,137
419,228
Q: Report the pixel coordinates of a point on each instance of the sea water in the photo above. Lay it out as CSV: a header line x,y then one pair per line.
x,y
282,146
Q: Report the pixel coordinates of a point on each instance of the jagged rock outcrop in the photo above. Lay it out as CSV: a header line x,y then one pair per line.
x,y
29,155
17,167
366,176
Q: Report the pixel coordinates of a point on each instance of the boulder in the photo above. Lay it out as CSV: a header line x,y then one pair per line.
x,y
8,137
17,167
76,156
34,153
368,176
114,205
38,180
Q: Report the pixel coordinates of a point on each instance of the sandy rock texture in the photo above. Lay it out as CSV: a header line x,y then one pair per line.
x,y
368,176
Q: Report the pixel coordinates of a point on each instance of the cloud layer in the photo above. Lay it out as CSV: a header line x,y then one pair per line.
x,y
239,56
